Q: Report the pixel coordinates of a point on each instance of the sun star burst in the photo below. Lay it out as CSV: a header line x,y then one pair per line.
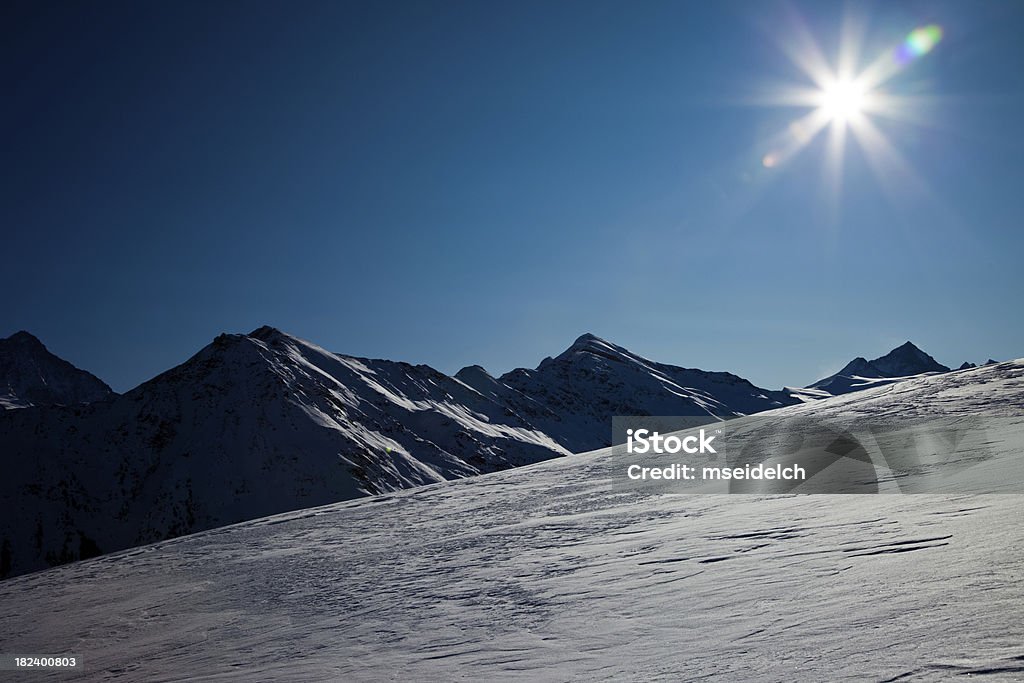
x,y
848,98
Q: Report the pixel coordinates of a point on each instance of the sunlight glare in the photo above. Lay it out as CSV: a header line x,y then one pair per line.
x,y
843,99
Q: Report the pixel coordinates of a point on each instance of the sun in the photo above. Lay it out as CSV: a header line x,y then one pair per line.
x,y
842,100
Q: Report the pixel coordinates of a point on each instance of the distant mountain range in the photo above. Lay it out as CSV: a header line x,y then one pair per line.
x,y
901,363
573,396
263,423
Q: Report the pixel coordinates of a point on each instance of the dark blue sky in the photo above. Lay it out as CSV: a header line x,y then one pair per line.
x,y
480,182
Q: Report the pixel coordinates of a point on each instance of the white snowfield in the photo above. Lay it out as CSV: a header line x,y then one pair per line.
x,y
559,571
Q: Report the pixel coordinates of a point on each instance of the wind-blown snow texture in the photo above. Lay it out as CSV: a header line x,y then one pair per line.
x,y
31,375
556,571
263,423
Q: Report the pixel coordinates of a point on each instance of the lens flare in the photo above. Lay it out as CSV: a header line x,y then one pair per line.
x,y
919,43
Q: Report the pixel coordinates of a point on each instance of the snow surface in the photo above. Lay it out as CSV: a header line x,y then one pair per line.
x,y
263,423
556,571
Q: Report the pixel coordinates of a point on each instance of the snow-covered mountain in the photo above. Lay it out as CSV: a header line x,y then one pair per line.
x,y
31,375
901,363
559,571
251,425
573,396
263,423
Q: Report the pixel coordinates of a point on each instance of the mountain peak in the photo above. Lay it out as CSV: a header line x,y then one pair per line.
x,y
265,333
907,359
587,337
32,375
858,366
473,370
592,341
23,337
588,344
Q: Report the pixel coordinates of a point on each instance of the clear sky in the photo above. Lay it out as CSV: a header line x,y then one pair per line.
x,y
453,183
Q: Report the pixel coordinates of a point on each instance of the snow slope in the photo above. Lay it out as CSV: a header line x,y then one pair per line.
x,y
556,571
31,375
263,423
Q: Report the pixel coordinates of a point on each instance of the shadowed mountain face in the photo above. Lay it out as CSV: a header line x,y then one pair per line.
x,y
251,425
573,396
900,363
907,360
31,375
263,423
